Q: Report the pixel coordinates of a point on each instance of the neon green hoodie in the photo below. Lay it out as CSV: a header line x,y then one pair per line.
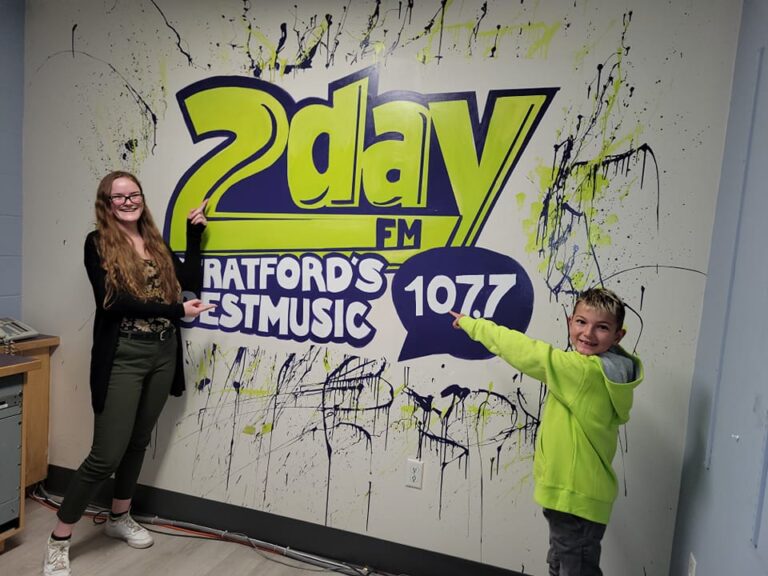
x,y
577,436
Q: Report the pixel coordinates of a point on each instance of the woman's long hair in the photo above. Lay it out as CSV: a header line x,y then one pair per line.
x,y
123,265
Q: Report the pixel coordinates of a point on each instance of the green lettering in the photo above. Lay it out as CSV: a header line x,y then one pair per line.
x,y
343,123
260,128
478,176
395,171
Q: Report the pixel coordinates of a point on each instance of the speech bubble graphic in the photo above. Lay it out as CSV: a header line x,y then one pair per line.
x,y
474,281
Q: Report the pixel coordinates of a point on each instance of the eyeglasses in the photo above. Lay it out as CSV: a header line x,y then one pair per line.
x,y
120,199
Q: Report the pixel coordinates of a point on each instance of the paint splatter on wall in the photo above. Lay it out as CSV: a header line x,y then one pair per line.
x,y
256,412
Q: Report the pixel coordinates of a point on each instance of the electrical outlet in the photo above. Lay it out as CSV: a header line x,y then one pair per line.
x,y
414,473
691,565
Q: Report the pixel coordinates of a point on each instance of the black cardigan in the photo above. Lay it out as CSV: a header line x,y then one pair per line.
x,y
106,323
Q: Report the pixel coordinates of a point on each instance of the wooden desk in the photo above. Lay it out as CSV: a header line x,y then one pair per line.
x,y
10,366
36,404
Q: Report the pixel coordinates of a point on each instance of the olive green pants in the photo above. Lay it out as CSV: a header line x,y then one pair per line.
x,y
139,385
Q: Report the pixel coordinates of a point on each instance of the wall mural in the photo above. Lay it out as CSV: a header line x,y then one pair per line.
x,y
370,166
313,410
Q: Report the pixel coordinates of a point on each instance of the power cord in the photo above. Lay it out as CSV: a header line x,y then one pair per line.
x,y
188,530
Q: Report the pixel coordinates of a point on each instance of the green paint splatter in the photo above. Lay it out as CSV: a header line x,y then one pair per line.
x,y
326,361
541,45
572,219
254,392
538,37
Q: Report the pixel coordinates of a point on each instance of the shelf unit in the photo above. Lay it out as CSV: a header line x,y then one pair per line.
x,y
36,404
10,369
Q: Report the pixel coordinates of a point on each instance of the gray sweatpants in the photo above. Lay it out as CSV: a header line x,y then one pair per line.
x,y
139,385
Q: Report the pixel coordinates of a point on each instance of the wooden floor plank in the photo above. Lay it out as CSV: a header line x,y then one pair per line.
x,y
94,554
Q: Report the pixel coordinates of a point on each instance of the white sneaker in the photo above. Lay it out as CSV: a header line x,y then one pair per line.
x,y
126,528
57,558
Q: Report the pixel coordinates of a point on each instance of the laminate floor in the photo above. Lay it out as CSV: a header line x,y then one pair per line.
x,y
94,554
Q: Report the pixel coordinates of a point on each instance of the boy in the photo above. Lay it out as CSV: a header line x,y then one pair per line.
x,y
590,395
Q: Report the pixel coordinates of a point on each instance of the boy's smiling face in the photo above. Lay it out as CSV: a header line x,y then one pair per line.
x,y
592,330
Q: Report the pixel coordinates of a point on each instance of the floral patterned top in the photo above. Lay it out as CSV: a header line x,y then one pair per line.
x,y
153,293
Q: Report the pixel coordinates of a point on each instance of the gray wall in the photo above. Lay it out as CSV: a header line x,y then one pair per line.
x,y
721,518
11,111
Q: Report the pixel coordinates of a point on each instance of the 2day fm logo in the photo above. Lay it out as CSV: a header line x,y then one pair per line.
x,y
311,202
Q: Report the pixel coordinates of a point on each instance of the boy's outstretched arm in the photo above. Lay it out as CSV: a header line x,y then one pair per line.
x,y
534,358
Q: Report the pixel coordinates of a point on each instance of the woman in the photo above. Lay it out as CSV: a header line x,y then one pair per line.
x,y
136,355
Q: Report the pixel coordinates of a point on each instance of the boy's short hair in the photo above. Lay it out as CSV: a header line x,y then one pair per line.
x,y
604,299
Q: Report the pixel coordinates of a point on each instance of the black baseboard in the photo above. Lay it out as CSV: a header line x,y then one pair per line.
x,y
323,541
